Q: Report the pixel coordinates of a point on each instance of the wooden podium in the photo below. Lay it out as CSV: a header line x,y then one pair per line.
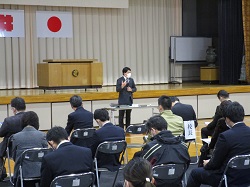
x,y
77,73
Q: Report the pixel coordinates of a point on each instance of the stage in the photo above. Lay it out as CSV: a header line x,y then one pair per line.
x,y
109,92
53,107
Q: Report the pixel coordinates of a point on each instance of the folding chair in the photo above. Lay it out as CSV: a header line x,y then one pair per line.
x,y
169,173
239,162
9,156
135,129
190,136
30,164
82,137
80,180
112,148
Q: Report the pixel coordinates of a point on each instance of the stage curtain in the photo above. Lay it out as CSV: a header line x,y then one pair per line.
x,y
230,40
246,27
137,37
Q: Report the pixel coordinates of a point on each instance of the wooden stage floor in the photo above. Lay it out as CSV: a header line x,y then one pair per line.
x,y
109,92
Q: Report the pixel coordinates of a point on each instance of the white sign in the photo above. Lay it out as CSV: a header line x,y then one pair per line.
x,y
189,130
11,23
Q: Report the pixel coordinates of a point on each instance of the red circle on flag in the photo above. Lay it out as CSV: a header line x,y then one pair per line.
x,y
54,24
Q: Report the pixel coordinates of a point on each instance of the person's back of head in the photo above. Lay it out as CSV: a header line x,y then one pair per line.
x,y
156,122
30,118
165,102
101,114
174,99
223,107
138,173
75,101
18,103
235,112
222,95
55,135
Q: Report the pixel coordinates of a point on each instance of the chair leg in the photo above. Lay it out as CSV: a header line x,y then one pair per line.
x,y
97,174
115,178
8,156
197,156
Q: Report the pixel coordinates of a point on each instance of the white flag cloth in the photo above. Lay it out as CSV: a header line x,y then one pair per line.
x,y
11,23
54,24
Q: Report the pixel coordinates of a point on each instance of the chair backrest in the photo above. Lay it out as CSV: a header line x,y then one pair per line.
x,y
80,180
83,133
238,162
112,147
30,162
136,129
189,127
169,173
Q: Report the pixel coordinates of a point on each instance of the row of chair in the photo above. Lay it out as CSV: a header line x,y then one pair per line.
x,y
162,172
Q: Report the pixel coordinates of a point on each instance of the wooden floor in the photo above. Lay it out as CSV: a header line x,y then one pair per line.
x,y
143,91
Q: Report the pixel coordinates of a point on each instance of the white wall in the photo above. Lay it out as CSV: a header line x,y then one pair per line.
x,y
51,114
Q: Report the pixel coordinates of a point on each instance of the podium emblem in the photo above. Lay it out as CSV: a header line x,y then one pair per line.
x,y
75,73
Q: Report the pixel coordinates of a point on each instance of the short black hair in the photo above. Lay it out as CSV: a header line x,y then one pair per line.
x,y
101,114
235,112
75,101
173,99
30,118
223,107
222,93
18,103
57,134
157,122
165,102
125,70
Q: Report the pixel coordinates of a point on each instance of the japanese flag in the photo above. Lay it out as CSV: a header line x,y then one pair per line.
x,y
11,23
54,24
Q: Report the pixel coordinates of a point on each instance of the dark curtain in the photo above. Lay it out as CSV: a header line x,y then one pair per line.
x,y
230,41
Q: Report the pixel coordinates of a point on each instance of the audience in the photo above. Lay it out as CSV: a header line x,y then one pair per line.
x,y
138,173
78,119
184,110
11,125
175,123
65,159
164,148
29,137
230,143
209,129
107,132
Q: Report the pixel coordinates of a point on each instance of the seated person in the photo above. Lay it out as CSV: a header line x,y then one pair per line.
x,y
220,127
65,159
138,172
79,119
230,143
29,137
184,110
164,148
106,132
175,123
209,129
11,125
